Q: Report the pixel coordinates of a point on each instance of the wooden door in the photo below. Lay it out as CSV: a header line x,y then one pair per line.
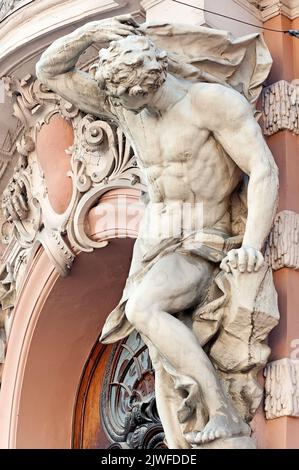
x,y
116,406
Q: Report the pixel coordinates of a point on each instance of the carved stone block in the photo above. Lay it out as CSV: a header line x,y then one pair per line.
x,y
282,388
282,250
281,107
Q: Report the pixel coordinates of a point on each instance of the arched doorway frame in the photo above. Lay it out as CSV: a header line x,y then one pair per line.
x,y
52,336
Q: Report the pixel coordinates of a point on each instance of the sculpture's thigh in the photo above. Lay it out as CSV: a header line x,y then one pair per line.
x,y
174,283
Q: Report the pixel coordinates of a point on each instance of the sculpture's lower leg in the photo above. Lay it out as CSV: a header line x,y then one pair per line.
x,y
168,401
181,351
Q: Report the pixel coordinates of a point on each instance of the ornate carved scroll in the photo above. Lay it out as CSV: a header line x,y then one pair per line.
x,y
282,388
280,103
101,159
282,249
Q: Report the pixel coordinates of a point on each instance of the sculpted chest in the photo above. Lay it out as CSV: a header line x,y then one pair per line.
x,y
162,140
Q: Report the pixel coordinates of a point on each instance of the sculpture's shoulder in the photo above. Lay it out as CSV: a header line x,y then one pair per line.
x,y
218,99
216,106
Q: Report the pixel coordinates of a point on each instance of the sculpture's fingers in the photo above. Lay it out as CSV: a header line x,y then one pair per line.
x,y
224,265
126,27
122,31
242,259
127,19
251,259
259,261
232,257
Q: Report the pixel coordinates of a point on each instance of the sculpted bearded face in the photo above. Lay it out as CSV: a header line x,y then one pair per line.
x,y
131,71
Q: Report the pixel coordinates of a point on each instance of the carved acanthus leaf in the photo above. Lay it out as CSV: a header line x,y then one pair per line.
x,y
30,99
282,248
280,103
282,388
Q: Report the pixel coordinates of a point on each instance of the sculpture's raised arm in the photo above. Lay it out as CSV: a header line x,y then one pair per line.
x,y
238,132
56,67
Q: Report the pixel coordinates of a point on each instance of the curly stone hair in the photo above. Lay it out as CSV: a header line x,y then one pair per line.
x,y
122,67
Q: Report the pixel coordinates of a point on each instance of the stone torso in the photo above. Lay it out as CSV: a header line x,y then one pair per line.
x,y
182,161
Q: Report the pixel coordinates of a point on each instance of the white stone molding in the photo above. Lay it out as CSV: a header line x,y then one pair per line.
x,y
25,33
282,248
280,105
282,388
267,9
263,10
252,7
175,12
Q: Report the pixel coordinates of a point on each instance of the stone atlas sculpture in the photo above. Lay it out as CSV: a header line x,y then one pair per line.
x,y
199,291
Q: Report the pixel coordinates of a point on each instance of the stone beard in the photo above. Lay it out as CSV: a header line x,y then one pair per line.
x,y
201,297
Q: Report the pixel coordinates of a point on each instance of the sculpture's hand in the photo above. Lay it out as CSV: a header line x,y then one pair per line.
x,y
111,29
243,259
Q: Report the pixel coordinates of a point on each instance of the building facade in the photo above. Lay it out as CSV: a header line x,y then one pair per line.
x,y
70,190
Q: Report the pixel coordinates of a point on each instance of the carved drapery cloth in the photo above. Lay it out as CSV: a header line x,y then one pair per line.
x,y
242,63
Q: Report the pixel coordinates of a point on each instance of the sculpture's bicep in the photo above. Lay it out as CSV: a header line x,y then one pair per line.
x,y
242,139
80,89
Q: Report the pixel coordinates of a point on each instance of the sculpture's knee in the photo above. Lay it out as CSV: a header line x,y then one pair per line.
x,y
136,314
